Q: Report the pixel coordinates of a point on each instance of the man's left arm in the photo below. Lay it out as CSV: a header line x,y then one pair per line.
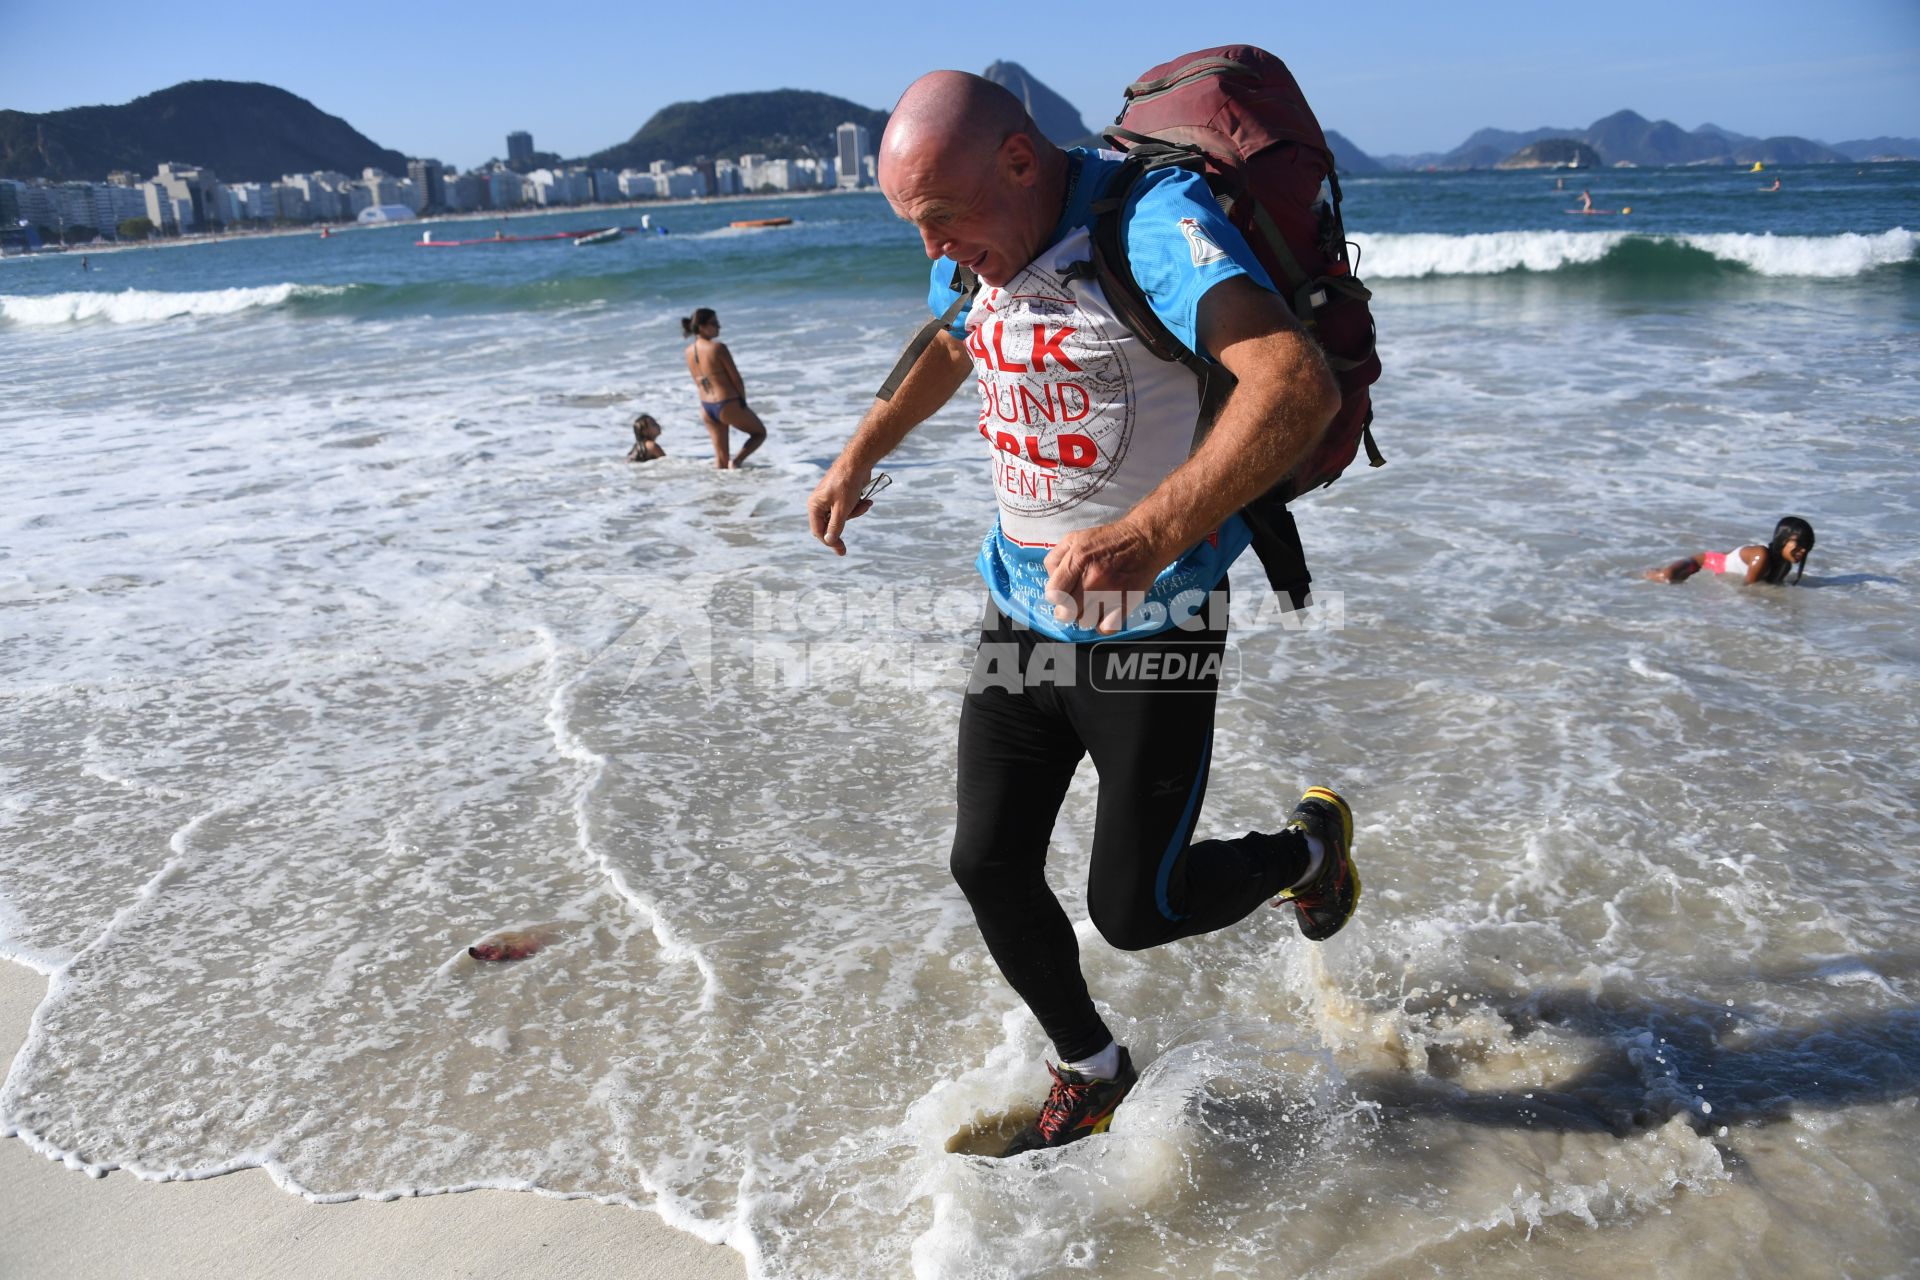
x,y
1283,400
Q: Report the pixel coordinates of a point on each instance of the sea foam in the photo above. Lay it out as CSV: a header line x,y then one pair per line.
x,y
1411,256
144,306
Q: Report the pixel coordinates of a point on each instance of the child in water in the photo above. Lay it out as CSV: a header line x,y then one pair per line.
x,y
646,440
1792,539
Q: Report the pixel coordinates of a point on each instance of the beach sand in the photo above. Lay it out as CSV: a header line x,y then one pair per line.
x,y
57,1222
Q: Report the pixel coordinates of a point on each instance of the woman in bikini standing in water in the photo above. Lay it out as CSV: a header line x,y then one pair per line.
x,y
723,394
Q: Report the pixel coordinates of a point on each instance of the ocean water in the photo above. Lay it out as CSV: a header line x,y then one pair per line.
x,y
338,637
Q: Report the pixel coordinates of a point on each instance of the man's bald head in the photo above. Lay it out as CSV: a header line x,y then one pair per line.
x,y
963,162
951,116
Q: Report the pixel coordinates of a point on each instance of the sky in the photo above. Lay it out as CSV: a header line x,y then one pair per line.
x,y
450,81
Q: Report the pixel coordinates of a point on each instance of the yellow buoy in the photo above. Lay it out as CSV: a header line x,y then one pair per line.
x,y
1757,167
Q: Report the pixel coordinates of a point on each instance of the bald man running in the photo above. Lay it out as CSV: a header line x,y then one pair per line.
x,y
1107,565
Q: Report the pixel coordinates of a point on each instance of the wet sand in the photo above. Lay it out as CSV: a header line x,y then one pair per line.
x,y
55,1221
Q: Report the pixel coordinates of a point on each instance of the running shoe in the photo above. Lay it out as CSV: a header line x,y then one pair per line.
x,y
1077,1107
1326,903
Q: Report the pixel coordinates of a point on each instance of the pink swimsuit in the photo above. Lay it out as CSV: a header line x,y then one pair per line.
x,y
1728,562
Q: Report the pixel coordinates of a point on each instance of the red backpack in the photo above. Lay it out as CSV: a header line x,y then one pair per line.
x,y
1235,116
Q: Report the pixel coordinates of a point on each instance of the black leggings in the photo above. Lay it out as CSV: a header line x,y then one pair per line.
x,y
1151,737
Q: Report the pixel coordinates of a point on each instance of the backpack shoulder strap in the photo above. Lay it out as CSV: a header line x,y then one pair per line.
x,y
965,285
1114,272
1276,539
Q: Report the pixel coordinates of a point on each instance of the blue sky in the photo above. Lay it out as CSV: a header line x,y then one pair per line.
x,y
450,81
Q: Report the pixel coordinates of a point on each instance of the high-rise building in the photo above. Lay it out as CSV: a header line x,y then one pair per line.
x,y
850,145
519,150
429,184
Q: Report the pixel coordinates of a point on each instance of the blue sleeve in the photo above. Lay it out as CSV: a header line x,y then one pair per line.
x,y
940,295
1180,245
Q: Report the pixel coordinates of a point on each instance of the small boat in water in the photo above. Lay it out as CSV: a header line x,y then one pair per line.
x,y
606,235
763,222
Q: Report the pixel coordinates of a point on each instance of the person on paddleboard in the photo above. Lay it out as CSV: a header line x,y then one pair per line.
x,y
1112,525
1752,563
722,391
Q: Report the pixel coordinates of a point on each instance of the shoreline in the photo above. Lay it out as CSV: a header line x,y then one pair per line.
x,y
60,1221
313,229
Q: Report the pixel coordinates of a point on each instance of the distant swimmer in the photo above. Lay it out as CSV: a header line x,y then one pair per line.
x,y
646,440
1586,206
723,394
85,265
1792,540
1774,187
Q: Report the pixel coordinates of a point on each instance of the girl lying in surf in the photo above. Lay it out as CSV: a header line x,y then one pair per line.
x,y
1792,539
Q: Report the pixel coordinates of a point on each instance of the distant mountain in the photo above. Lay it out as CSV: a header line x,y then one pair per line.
x,y
1626,137
1348,158
1500,143
783,124
1553,153
1787,151
1879,148
1734,139
1412,160
1057,117
243,132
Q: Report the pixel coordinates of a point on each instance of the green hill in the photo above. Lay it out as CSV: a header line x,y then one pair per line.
x,y
243,132
783,124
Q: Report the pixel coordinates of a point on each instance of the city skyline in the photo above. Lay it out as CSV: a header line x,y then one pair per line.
x,y
1414,81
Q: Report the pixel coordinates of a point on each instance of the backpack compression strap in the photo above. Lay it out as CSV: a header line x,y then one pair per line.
x,y
965,285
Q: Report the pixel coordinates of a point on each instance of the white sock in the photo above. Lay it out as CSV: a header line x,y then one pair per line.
x,y
1316,858
1104,1065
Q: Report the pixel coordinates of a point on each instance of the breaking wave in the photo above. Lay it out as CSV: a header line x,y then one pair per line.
x,y
148,306
1415,256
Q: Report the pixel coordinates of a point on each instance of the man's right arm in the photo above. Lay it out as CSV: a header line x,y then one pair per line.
x,y
935,376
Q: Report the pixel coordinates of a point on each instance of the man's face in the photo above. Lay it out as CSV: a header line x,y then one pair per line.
x,y
974,211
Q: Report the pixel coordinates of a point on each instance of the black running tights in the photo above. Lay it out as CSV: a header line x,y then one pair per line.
x,y
1033,708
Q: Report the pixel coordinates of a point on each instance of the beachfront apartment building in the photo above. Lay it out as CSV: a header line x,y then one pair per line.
x,y
851,145
561,187
466,192
505,189
167,213
758,173
65,208
381,188
255,199
322,195
519,150
662,182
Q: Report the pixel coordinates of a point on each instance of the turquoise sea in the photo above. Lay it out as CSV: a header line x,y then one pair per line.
x,y
335,637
